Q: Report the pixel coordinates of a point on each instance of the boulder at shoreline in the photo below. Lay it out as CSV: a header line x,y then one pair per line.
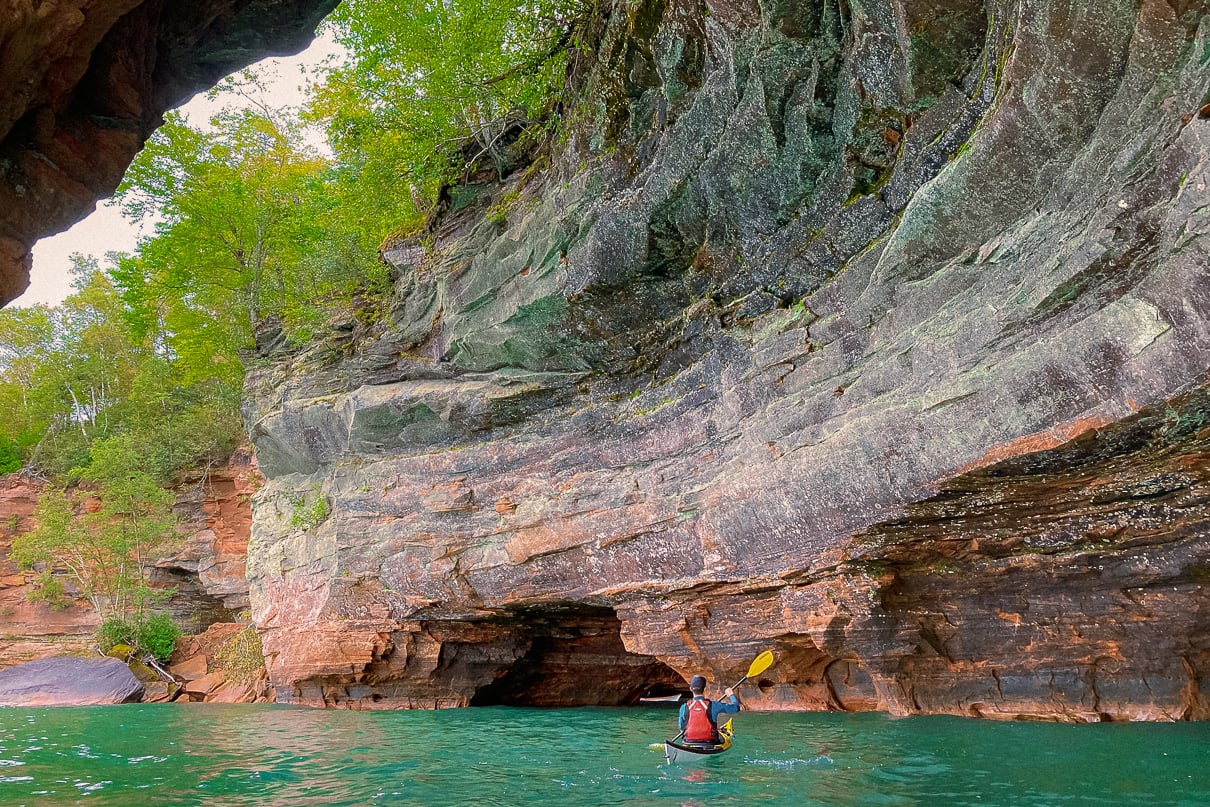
x,y
69,681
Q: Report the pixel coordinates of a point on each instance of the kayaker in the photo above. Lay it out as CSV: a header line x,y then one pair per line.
x,y
699,716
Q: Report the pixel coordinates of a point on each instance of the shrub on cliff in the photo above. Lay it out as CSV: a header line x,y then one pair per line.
x,y
155,633
433,93
114,631
241,658
158,635
104,548
10,460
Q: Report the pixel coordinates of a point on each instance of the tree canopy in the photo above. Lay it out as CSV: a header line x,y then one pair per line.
x,y
256,225
136,377
431,92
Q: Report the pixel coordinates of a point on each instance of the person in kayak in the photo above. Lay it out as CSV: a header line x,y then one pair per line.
x,y
699,716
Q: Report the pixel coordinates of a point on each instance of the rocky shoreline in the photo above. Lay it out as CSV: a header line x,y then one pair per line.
x,y
216,663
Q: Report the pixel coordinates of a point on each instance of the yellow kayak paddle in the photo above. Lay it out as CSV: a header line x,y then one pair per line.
x,y
758,666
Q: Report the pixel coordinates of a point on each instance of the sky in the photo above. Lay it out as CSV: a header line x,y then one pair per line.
x,y
106,230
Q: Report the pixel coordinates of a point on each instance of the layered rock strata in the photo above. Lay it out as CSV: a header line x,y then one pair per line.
x,y
205,570
208,572
32,630
873,333
85,82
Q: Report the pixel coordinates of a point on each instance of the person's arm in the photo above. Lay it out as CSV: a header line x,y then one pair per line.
x,y
683,716
725,707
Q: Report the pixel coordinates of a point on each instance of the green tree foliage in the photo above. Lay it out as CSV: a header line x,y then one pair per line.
x,y
27,361
431,91
255,228
91,369
10,456
249,232
157,633
106,549
150,632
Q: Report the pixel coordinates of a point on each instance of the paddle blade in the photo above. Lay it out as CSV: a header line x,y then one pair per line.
x,y
760,664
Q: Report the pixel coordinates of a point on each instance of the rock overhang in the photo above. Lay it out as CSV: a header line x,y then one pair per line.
x,y
86,82
846,260
829,264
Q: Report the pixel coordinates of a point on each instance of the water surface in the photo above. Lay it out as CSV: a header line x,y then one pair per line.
x,y
238,755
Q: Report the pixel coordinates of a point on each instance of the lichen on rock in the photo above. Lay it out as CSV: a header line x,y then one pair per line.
x,y
874,333
806,288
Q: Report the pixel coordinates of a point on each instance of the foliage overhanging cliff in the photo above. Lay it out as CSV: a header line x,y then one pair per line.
x,y
872,332
86,81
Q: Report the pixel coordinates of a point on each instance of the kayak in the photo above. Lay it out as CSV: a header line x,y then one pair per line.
x,y
687,752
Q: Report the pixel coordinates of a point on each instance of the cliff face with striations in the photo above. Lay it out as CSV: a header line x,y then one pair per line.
x,y
32,630
872,333
85,83
206,566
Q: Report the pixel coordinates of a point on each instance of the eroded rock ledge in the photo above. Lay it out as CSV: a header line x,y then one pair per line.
x,y
206,568
873,333
85,82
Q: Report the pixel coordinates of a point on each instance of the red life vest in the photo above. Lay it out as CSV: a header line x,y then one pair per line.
x,y
699,728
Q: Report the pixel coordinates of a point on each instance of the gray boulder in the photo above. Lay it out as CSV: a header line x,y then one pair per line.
x,y
69,681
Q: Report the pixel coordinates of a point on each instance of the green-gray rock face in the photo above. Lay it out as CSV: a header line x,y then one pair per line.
x,y
814,294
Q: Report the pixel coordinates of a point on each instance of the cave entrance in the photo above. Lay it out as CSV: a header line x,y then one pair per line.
x,y
575,657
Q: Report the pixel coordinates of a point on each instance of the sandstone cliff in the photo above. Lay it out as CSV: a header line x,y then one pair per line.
x,y
206,568
84,82
872,333
32,630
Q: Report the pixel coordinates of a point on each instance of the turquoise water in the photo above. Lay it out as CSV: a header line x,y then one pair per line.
x,y
237,755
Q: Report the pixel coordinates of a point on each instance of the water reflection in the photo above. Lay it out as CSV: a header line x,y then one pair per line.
x,y
217,755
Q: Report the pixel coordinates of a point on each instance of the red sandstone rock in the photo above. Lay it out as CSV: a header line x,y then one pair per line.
x,y
203,686
218,516
195,662
922,425
204,644
231,692
32,630
158,692
216,512
190,669
450,497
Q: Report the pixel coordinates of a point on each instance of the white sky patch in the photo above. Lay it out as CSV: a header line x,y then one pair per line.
x,y
106,230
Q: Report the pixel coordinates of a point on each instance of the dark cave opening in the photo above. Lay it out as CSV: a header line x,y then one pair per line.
x,y
575,657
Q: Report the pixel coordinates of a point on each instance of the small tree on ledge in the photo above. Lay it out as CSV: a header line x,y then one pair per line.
x,y
104,550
